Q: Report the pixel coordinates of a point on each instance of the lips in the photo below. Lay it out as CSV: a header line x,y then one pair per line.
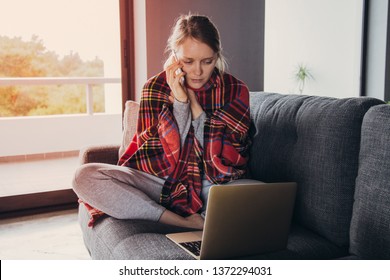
x,y
197,81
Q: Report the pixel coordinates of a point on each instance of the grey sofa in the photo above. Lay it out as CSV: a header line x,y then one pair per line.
x,y
337,150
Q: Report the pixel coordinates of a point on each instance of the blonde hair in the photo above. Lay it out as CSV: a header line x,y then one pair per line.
x,y
199,28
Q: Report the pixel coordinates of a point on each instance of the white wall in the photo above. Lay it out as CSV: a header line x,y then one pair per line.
x,y
35,135
323,35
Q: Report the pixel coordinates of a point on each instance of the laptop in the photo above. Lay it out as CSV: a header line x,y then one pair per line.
x,y
242,220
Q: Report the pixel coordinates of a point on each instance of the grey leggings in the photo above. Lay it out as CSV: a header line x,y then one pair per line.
x,y
126,193
120,192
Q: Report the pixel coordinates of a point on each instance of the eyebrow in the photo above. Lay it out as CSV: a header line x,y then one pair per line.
x,y
189,58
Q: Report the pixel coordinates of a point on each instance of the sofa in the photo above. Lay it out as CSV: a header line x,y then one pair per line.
x,y
338,152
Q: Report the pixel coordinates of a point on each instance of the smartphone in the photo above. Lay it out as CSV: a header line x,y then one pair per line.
x,y
178,71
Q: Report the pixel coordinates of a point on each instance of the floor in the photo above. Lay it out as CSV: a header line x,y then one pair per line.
x,y
50,236
54,235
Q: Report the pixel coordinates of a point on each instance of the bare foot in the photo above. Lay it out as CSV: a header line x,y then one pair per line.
x,y
195,221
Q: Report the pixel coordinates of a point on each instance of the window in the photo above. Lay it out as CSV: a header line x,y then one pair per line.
x,y
70,48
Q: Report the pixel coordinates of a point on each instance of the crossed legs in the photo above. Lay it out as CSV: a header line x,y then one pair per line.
x,y
125,193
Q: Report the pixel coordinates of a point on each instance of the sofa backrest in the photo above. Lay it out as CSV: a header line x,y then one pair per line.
x,y
370,227
315,142
130,119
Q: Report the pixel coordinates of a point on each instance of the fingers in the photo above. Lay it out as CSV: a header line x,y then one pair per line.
x,y
190,92
175,77
174,72
180,77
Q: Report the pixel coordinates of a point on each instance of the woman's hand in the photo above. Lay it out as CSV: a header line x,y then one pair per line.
x,y
196,109
174,77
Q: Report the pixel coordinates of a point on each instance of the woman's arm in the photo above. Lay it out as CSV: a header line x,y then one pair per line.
x,y
196,109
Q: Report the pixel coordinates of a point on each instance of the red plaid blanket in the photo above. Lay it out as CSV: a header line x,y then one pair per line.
x,y
155,147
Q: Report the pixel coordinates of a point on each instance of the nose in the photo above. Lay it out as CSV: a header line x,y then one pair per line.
x,y
198,69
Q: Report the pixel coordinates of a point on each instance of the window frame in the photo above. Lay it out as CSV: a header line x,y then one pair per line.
x,y
24,204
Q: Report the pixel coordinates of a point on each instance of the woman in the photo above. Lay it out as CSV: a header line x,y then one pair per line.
x,y
192,132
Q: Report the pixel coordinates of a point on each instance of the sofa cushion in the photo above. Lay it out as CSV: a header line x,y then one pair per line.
x,y
141,240
304,244
115,239
370,227
130,118
315,142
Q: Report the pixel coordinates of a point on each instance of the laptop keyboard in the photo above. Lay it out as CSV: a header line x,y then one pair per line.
x,y
192,246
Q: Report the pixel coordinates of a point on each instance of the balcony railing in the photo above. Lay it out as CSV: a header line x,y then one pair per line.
x,y
89,82
60,133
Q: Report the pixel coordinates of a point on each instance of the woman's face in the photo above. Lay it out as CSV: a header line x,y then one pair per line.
x,y
198,61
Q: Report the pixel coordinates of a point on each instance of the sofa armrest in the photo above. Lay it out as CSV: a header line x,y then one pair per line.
x,y
103,154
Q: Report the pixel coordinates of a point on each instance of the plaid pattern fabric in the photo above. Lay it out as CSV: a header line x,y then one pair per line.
x,y
94,213
155,148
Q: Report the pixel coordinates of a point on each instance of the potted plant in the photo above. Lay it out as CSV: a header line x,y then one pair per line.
x,y
302,74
